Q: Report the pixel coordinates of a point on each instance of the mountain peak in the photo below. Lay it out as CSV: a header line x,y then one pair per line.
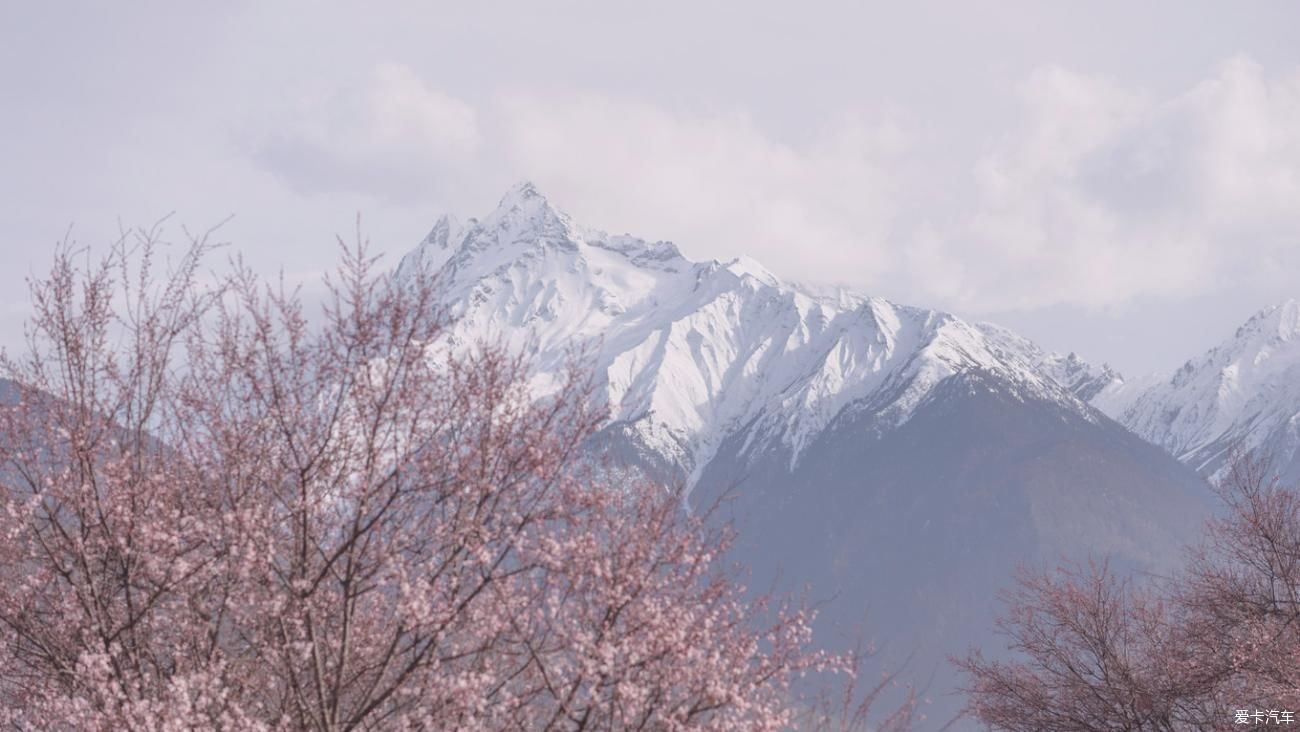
x,y
520,194
1286,316
1239,395
744,265
1279,323
691,352
523,210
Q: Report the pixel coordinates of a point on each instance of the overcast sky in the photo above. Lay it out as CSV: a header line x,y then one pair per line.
x,y
1117,179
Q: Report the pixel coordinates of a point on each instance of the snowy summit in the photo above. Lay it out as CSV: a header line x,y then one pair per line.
x,y
694,352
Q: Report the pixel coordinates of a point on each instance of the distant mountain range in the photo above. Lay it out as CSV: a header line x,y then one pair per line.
x,y
1242,395
898,461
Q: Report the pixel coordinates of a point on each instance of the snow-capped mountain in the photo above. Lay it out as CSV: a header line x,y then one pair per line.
x,y
694,351
898,459
1084,380
1243,394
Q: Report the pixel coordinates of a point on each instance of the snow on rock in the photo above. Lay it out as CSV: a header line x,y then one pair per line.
x,y
1244,393
691,352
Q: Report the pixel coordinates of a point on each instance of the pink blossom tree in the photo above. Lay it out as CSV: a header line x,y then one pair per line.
x,y
1100,652
217,515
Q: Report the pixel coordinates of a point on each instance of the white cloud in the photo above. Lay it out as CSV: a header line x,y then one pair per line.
x,y
1098,196
713,181
403,111
392,137
718,183
1105,195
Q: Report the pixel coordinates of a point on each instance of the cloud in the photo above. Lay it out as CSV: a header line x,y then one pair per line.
x,y
1104,195
391,137
714,181
1096,196
718,183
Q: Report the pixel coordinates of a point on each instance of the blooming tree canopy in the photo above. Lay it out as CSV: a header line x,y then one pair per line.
x,y
218,512
1216,646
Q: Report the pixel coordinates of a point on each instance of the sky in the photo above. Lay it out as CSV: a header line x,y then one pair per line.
x,y
1121,180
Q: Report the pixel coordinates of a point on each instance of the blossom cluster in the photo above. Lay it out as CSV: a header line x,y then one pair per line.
x,y
219,516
